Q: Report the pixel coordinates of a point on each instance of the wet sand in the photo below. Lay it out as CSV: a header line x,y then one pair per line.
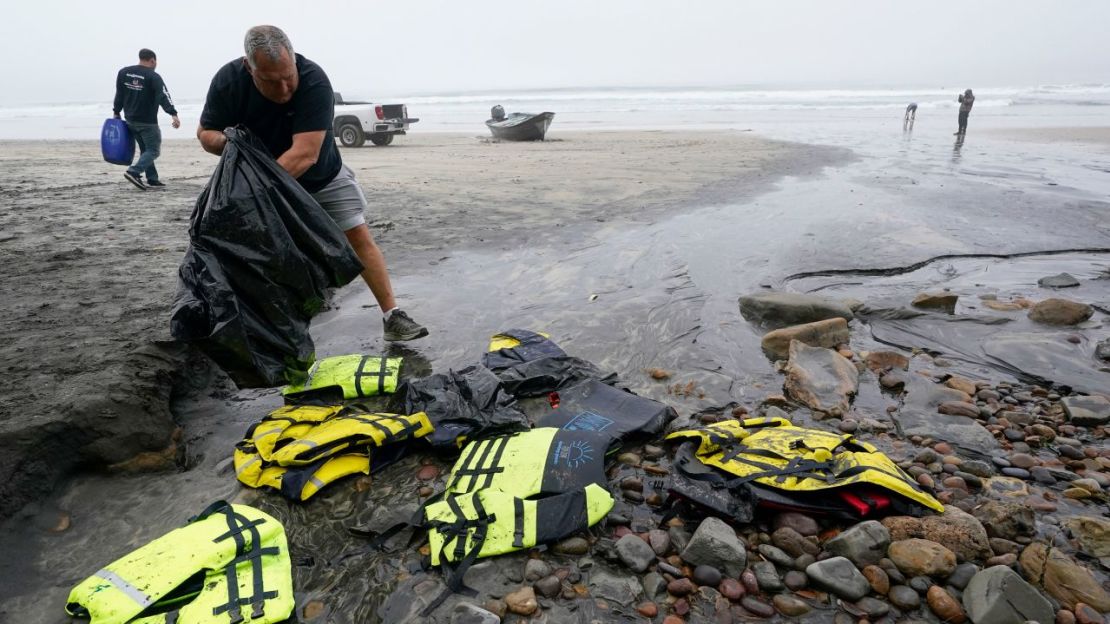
x,y
90,262
1099,136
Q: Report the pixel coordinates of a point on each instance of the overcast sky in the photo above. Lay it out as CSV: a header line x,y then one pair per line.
x,y
56,51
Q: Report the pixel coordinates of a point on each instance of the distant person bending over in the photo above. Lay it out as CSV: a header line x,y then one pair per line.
x,y
967,100
139,93
287,101
911,112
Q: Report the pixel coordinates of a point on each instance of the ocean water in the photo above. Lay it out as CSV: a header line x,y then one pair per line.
x,y
648,108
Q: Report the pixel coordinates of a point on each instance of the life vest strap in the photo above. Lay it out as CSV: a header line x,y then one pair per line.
x,y
459,531
518,523
468,467
361,372
237,525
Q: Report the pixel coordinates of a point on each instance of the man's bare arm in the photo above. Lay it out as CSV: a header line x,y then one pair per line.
x,y
213,141
304,152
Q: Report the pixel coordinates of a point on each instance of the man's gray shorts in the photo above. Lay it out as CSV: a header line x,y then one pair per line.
x,y
343,200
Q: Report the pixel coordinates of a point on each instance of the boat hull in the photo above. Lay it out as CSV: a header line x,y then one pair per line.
x,y
521,127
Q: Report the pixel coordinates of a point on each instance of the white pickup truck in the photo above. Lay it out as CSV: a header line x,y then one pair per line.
x,y
356,121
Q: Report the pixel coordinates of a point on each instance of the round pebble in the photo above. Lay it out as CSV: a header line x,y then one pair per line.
x,y
1019,473
731,588
548,586
648,609
757,606
1077,493
878,579
751,584
795,580
1086,614
681,587
1023,460
789,605
945,606
707,575
427,473
905,598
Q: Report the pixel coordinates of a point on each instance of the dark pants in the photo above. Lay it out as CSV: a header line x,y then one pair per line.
x,y
963,120
149,138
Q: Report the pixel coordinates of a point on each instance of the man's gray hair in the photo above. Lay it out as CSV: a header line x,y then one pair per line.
x,y
267,39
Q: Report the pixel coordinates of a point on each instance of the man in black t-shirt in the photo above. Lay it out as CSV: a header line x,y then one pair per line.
x,y
287,101
139,93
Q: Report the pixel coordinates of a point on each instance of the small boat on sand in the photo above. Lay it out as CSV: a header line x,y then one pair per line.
x,y
518,126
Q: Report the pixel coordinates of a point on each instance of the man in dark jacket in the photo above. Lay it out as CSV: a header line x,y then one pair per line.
x,y
967,100
139,93
287,102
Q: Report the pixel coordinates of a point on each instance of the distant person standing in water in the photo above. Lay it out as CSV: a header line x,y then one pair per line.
x,y
967,100
911,112
139,93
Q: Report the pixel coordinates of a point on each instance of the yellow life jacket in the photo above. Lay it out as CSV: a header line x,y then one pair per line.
x,y
299,450
229,564
516,491
346,377
775,453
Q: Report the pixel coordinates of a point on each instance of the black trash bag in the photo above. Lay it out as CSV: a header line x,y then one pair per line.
x,y
461,405
594,406
262,256
546,375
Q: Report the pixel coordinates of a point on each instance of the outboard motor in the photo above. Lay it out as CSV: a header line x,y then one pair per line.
x,y
497,113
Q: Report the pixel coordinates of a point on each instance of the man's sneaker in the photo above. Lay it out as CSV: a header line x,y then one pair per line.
x,y
400,328
134,179
155,184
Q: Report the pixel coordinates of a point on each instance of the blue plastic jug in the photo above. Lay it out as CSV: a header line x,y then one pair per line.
x,y
116,143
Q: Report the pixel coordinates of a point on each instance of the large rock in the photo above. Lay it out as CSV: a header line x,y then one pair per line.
x,y
864,544
1092,533
838,576
822,379
921,557
936,301
1087,411
828,333
635,552
958,530
1060,280
715,544
100,418
919,416
1006,520
1102,350
1057,311
999,596
1063,578
617,587
780,309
